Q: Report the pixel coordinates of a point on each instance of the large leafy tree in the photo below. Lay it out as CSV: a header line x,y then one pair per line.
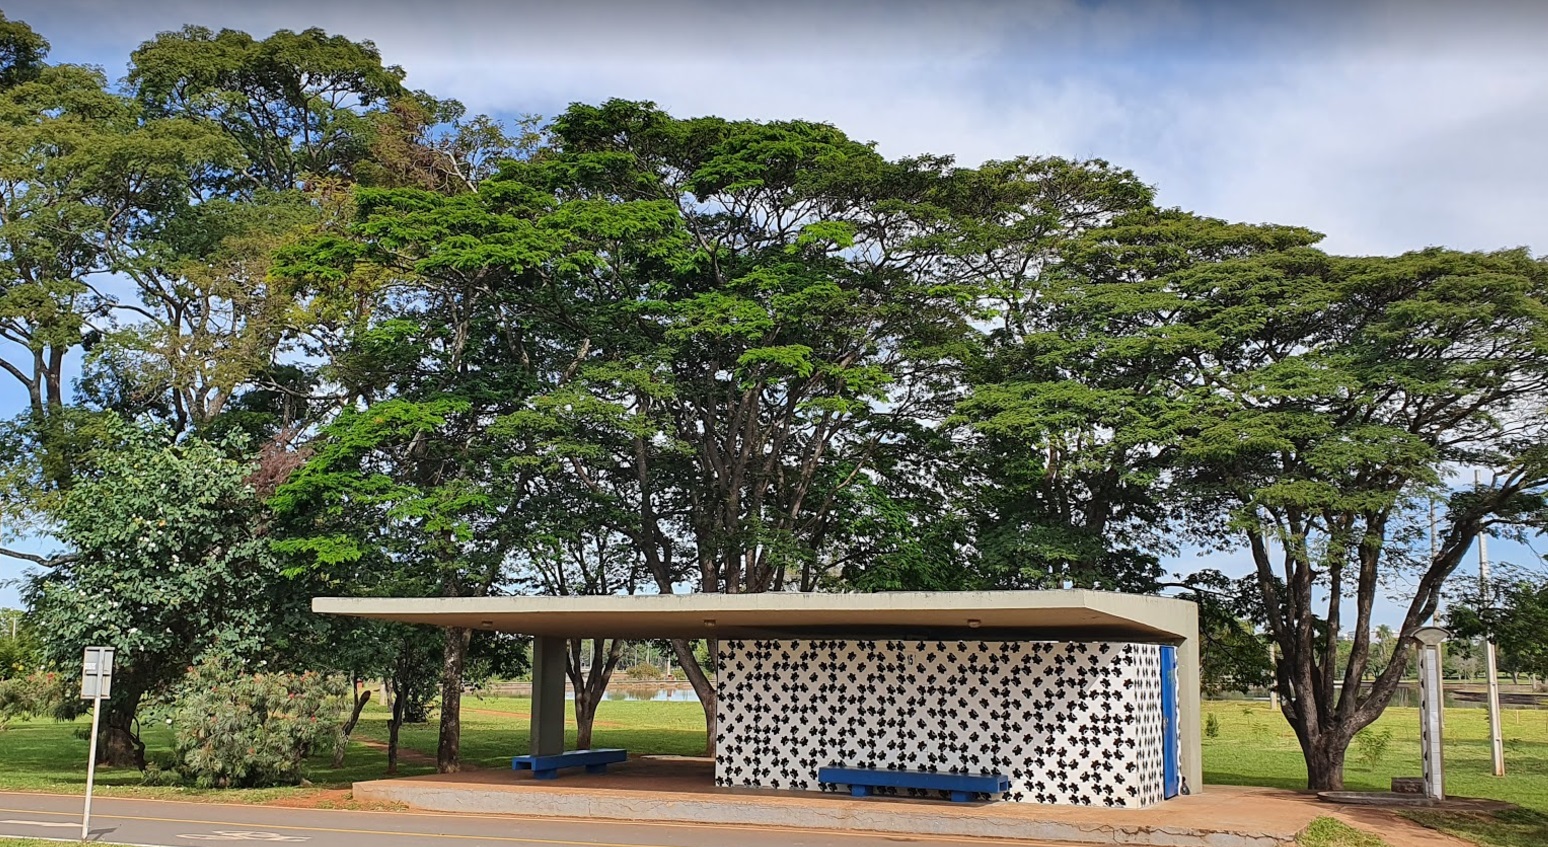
x,y
1052,496
746,365
1306,406
165,561
298,104
1514,614
453,337
82,175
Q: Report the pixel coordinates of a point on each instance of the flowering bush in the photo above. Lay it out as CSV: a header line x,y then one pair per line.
x,y
234,729
38,695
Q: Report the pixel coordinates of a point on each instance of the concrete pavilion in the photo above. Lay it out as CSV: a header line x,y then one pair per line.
x,y
1083,697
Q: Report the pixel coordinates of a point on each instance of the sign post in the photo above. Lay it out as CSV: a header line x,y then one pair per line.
x,y
96,685
1431,701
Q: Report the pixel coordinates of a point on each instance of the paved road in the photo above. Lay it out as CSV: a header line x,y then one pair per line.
x,y
164,823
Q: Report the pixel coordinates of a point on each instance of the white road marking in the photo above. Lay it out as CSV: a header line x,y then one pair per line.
x,y
44,823
245,835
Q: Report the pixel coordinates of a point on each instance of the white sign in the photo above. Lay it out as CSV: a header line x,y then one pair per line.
x,y
96,685
97,673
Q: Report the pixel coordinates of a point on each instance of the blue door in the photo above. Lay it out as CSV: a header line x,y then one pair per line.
x,y
1170,752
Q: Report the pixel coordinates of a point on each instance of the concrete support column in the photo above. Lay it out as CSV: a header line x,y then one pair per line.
x,y
1190,716
548,658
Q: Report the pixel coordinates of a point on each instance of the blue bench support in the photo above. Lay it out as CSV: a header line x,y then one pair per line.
x,y
547,767
962,786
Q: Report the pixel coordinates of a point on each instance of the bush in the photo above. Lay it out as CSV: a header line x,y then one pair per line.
x,y
19,656
1211,726
1372,745
240,730
644,670
38,695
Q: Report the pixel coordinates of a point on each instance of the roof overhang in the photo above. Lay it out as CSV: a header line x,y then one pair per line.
x,y
1072,615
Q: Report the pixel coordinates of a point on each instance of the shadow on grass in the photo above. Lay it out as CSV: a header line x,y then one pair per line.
x,y
1292,783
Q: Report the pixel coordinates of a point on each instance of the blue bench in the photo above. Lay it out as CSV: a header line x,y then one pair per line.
x,y
962,786
547,767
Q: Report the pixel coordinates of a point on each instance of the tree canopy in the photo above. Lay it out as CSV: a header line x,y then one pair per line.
x,y
338,335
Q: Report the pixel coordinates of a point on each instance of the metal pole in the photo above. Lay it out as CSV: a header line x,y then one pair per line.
x,y
1273,683
1496,739
91,766
1440,605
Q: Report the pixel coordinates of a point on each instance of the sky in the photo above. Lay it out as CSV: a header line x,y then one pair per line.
x,y
1389,125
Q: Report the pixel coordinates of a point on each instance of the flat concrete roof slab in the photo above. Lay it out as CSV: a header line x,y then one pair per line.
x,y
1070,615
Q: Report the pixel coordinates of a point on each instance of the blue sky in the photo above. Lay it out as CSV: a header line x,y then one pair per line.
x,y
1389,126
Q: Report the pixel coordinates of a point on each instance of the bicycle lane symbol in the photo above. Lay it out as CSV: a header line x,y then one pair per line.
x,y
245,835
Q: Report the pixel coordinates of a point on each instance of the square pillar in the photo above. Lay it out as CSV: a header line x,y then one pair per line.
x,y
548,660
1189,708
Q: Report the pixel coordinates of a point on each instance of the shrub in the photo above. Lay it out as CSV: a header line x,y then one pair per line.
x,y
644,670
38,695
233,729
1372,745
1211,726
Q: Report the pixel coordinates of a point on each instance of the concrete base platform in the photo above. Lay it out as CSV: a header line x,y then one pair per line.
x,y
682,790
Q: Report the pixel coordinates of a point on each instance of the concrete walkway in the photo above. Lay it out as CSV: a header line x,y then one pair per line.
x,y
681,789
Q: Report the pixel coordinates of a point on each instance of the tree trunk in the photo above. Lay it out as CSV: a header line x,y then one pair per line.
x,y
119,745
585,714
1325,762
362,697
448,754
590,684
393,725
701,686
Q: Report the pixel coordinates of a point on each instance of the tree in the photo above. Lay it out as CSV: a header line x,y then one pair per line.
x,y
20,651
296,103
165,563
1309,405
22,52
769,316
1514,615
573,553
82,175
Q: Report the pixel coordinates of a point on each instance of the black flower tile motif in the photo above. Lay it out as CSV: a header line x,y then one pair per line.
x,y
1071,723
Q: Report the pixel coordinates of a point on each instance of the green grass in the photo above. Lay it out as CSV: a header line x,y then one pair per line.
x,y
1514,828
1257,747
1328,832
47,756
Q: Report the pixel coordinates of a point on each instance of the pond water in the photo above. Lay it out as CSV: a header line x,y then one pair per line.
x,y
674,694
1470,696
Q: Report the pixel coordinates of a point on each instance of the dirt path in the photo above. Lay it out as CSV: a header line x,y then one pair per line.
x,y
413,757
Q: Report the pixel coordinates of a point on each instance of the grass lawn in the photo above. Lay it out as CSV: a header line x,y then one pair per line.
x,y
47,756
1254,746
1330,832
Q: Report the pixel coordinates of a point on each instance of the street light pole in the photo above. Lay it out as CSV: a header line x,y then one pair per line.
x,y
1496,740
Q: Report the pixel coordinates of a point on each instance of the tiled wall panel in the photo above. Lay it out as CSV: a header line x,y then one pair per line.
x,y
1076,723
